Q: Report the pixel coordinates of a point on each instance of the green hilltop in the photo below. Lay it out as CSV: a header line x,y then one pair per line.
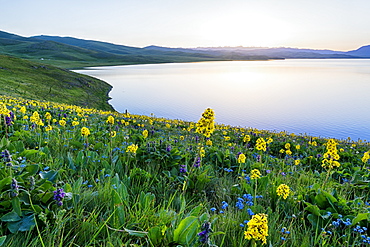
x,y
32,80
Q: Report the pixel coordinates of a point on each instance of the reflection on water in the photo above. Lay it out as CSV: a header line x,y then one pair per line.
x,y
327,98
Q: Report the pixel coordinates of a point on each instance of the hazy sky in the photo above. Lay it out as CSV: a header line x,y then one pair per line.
x,y
332,24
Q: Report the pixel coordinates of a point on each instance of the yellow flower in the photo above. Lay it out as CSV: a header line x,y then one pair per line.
x,y
145,134
209,142
241,158
110,120
206,124
261,144
48,116
85,131
132,149
283,190
287,145
168,125
269,140
48,128
366,157
255,173
23,110
288,152
75,123
246,138
297,162
113,133
202,152
331,156
227,138
298,147
62,122
182,138
257,228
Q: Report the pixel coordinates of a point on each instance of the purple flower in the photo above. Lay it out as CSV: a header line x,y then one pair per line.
x,y
58,196
168,149
197,162
204,235
183,169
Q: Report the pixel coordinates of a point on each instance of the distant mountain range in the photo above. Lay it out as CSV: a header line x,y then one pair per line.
x,y
73,52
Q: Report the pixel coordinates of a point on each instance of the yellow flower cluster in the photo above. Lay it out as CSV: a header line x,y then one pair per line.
x,y
132,149
255,173
257,228
331,156
110,120
366,157
246,138
145,134
283,190
4,110
85,131
35,118
261,144
206,125
241,158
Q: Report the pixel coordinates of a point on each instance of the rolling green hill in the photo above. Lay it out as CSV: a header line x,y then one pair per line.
x,y
69,52
31,80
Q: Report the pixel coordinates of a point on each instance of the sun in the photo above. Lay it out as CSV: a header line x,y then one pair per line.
x,y
246,30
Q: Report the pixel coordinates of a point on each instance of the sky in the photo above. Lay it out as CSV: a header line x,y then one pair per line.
x,y
317,24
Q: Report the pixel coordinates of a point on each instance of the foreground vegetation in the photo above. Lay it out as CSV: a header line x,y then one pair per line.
x,y
32,80
81,177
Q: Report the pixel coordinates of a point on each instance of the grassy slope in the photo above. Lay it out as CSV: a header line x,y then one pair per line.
x,y
31,80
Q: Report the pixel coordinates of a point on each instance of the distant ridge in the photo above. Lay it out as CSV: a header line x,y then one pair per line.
x,y
70,52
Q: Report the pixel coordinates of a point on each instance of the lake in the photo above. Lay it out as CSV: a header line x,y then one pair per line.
x,y
319,97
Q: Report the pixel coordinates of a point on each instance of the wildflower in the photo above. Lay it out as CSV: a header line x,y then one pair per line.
x,y
48,128
239,204
257,228
110,120
204,235
85,131
197,162
202,152
298,147
246,138
283,190
261,144
58,196
366,157
182,138
132,149
62,122
23,110
213,209
224,205
145,134
287,145
183,169
241,158
250,212
15,188
209,142
113,133
255,173
297,162
206,124
269,140
75,123
48,116
331,156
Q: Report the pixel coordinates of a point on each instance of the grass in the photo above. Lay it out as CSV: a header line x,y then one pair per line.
x,y
143,197
32,80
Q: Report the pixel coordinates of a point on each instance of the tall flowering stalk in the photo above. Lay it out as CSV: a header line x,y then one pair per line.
x,y
85,132
330,158
257,228
206,125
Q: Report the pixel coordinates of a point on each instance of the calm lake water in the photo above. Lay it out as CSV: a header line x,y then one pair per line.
x,y
326,98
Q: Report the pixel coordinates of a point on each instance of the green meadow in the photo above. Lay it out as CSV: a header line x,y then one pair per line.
x,y
73,176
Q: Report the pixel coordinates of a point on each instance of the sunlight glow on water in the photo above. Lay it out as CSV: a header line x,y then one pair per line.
x,y
327,98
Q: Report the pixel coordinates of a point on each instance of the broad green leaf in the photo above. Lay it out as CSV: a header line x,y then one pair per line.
x,y
50,175
2,240
186,230
32,169
27,223
314,209
136,233
4,182
360,217
10,217
17,206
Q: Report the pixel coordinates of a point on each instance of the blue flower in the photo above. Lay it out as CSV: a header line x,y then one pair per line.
x,y
213,209
250,212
